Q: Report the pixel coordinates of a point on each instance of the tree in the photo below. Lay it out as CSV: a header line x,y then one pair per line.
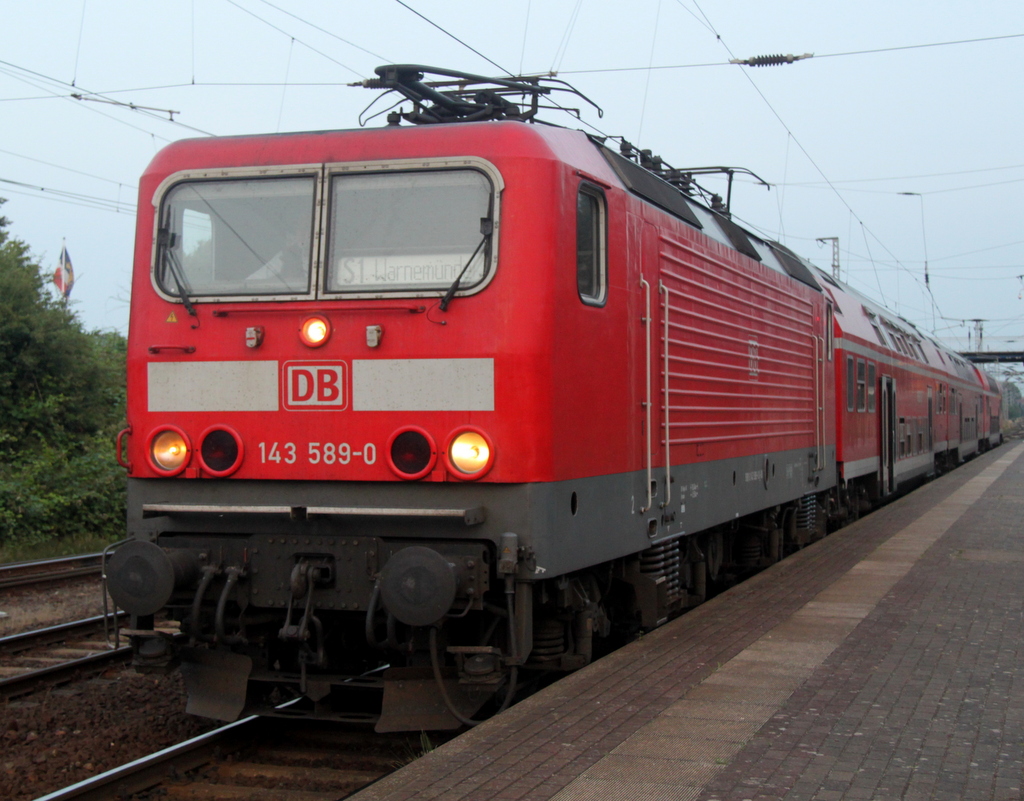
x,y
61,402
1013,401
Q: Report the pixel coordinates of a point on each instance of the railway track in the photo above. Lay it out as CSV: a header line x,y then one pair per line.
x,y
255,758
17,574
55,654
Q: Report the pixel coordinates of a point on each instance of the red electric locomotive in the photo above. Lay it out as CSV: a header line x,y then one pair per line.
x,y
420,411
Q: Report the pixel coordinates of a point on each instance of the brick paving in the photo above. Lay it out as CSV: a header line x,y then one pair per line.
x,y
925,698
843,672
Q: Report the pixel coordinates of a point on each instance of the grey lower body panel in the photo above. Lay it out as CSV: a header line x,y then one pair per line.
x,y
565,525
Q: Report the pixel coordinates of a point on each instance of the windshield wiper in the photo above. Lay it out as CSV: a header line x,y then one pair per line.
x,y
486,228
165,239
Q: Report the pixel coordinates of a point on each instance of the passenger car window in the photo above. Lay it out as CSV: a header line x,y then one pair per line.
x,y
851,386
591,270
861,393
829,330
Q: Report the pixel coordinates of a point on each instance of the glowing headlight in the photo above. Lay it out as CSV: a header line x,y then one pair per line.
x,y
169,450
315,331
470,453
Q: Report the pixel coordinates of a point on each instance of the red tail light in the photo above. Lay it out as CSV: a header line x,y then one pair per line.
x,y
220,451
411,453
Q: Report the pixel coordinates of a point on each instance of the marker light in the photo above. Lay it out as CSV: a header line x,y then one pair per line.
x,y
220,451
470,453
168,450
411,453
315,331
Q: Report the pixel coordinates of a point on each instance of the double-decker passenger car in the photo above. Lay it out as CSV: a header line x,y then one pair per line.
x,y
907,407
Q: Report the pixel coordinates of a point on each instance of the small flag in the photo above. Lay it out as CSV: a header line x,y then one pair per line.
x,y
64,275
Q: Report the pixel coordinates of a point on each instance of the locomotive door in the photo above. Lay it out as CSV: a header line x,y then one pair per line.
x,y
889,432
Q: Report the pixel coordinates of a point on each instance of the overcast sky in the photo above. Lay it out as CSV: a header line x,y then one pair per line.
x,y
839,136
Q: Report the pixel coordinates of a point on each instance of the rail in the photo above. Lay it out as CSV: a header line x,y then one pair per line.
x,y
54,665
18,574
275,753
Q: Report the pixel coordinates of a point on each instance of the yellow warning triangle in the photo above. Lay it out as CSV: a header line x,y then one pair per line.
x,y
172,318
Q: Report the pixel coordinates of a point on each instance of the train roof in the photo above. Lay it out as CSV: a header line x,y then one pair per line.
x,y
856,313
488,119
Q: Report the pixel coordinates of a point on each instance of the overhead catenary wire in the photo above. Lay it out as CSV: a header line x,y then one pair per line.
x,y
69,169
192,31
284,89
323,30
807,155
981,250
878,281
78,198
647,83
941,270
19,74
130,106
880,264
78,47
270,24
690,11
780,197
526,30
563,45
912,177
815,56
925,192
453,36
189,85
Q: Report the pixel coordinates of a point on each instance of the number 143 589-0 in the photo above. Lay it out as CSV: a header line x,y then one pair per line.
x,y
316,453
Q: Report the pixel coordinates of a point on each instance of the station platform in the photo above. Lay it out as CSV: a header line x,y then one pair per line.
x,y
885,661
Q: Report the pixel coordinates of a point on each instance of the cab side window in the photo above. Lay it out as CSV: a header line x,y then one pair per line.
x,y
591,262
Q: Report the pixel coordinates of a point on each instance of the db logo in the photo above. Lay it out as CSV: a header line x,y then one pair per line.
x,y
314,385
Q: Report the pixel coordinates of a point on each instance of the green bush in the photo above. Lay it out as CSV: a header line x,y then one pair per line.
x,y
62,400
52,494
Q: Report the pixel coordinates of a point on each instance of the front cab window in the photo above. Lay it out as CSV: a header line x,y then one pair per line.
x,y
415,231
335,231
237,237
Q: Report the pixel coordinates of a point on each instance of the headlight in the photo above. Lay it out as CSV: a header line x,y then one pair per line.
x,y
411,453
220,450
470,453
315,331
169,450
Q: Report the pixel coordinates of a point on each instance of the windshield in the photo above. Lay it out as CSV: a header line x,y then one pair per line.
x,y
407,231
237,237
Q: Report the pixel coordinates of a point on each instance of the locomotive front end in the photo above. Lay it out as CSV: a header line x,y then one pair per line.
x,y
319,508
